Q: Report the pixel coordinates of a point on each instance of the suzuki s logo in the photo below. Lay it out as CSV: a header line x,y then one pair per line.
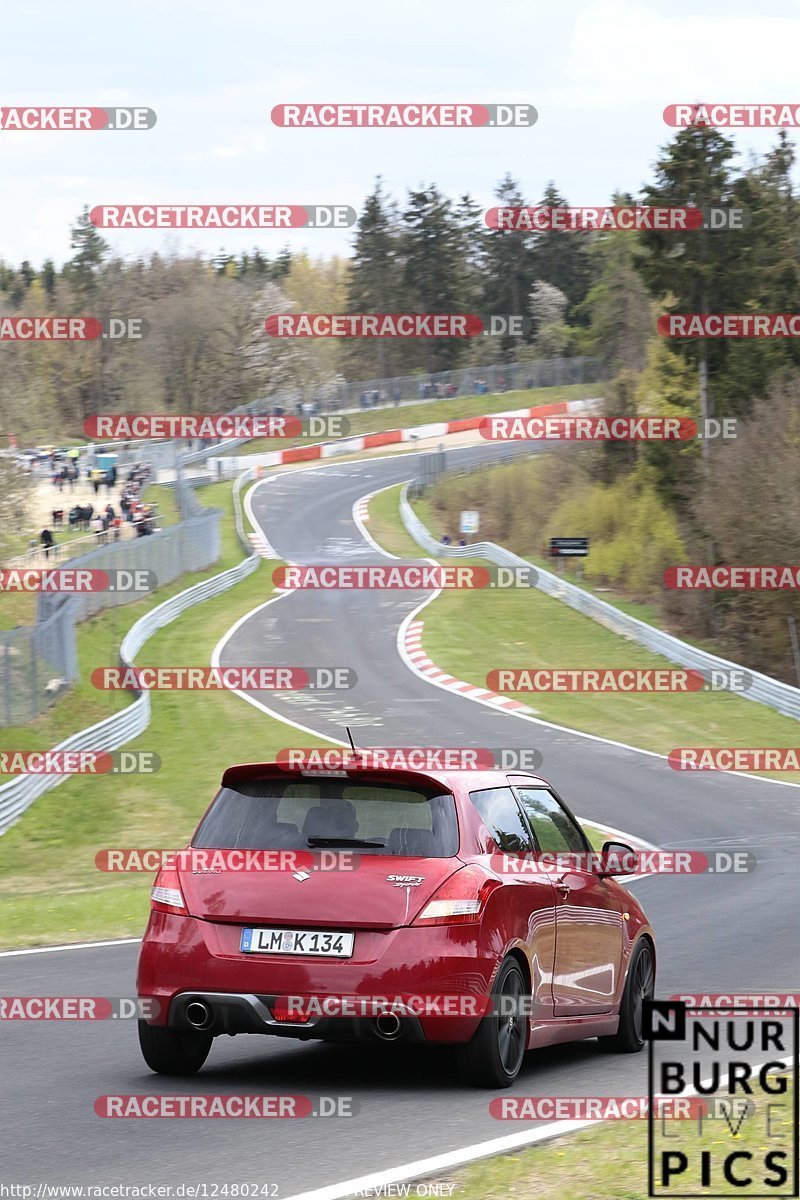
x,y
300,875
405,880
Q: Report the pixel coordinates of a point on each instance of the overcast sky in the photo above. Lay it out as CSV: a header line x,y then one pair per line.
x,y
599,74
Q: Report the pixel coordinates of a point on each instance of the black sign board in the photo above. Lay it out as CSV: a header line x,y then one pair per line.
x,y
572,547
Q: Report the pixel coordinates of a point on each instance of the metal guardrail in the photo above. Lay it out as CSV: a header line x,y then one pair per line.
x,y
224,447
763,689
434,464
110,734
246,476
122,727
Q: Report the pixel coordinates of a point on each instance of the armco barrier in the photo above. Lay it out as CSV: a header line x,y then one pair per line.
x,y
763,689
191,545
245,477
110,734
122,727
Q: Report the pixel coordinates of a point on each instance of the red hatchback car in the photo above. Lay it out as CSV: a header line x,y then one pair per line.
x,y
400,908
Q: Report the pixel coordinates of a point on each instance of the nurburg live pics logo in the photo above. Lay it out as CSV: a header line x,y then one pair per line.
x,y
737,1055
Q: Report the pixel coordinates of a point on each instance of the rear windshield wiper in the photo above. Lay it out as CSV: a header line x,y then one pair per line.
x,y
343,841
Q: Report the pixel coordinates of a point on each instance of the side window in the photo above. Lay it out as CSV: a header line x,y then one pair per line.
x,y
501,815
554,830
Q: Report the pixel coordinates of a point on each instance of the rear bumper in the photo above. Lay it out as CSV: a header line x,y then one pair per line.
x,y
243,1012
185,958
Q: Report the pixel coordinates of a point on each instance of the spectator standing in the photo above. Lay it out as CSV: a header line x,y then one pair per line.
x,y
98,527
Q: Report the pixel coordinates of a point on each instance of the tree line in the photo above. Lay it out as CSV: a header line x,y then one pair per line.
x,y
593,293
588,293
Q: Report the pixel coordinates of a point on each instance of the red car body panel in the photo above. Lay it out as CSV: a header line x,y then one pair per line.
x,y
575,948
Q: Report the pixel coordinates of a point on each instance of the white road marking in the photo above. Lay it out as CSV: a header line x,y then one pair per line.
x,y
70,946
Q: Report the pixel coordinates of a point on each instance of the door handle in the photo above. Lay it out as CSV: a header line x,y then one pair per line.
x,y
562,888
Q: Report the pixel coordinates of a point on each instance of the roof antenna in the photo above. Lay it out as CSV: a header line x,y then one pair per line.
x,y
357,753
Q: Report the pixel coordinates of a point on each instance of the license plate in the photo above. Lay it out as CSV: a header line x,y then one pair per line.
x,y
316,942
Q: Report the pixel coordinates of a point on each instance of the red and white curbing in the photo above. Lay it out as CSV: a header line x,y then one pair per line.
x,y
261,545
412,644
361,508
389,437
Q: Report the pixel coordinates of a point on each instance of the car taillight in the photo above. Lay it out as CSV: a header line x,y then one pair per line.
x,y
460,900
166,894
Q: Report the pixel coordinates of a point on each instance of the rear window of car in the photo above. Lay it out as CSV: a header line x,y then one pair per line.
x,y
286,814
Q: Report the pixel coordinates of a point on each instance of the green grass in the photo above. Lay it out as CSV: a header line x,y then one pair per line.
x,y
387,530
410,415
164,501
608,1161
523,628
598,836
17,608
196,735
68,543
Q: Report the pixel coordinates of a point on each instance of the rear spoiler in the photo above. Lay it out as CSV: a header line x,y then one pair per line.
x,y
245,772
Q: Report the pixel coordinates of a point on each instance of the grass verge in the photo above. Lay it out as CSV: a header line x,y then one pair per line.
x,y
386,528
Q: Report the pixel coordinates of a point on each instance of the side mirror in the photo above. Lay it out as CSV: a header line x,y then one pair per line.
x,y
618,859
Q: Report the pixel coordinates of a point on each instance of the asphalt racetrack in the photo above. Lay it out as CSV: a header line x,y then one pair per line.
x,y
715,933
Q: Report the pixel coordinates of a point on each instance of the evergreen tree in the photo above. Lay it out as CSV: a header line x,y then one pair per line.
x,y
473,252
560,256
91,250
375,283
49,278
617,306
696,270
510,270
282,265
435,269
768,252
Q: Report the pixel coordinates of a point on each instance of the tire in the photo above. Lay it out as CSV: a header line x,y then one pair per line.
x,y
494,1056
173,1051
638,986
